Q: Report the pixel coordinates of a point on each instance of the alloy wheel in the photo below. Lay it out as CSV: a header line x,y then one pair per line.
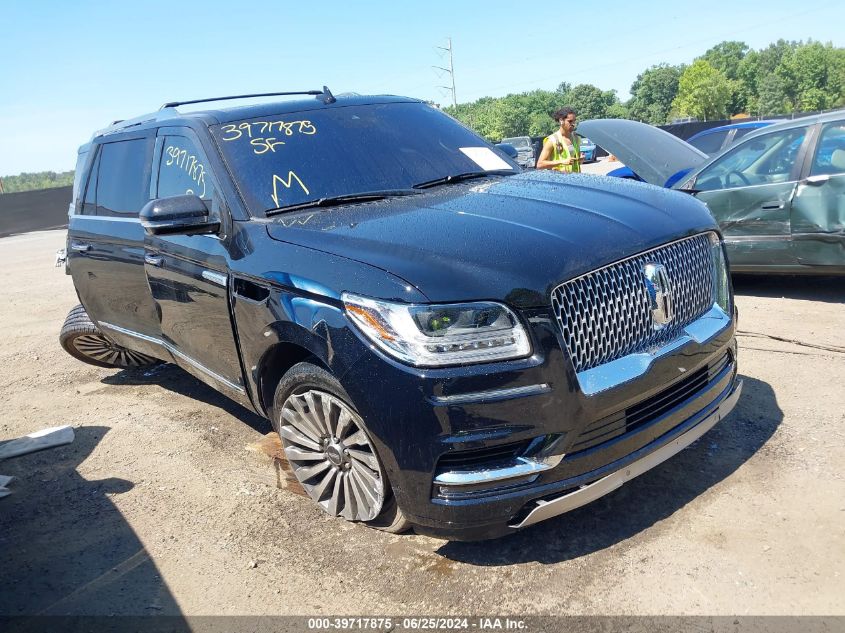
x,y
100,348
332,456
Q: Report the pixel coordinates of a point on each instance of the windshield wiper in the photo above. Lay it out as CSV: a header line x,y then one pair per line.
x,y
445,180
333,201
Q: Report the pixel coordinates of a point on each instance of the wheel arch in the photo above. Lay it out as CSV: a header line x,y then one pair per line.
x,y
275,334
275,363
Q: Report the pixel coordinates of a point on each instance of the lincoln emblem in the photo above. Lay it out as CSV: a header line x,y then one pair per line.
x,y
659,294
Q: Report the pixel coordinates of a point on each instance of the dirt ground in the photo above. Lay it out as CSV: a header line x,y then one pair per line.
x,y
164,504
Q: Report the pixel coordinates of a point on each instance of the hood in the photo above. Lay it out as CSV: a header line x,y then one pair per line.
x,y
653,154
509,239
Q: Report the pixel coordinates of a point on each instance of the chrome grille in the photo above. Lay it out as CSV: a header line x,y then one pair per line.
x,y
605,314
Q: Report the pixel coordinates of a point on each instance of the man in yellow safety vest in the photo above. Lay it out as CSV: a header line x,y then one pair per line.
x,y
560,150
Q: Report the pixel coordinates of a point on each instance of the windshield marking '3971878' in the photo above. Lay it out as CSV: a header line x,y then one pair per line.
x,y
348,152
258,133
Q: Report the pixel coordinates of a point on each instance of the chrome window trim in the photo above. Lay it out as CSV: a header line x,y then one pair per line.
x,y
172,349
106,218
791,181
619,371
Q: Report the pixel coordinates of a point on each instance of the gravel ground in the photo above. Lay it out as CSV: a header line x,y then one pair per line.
x,y
168,501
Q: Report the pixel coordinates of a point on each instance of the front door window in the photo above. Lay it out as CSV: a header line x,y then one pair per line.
x,y
762,160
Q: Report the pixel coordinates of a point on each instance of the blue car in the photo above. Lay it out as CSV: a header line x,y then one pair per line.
x,y
714,140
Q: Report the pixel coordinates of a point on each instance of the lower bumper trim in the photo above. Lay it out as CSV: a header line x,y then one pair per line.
x,y
609,483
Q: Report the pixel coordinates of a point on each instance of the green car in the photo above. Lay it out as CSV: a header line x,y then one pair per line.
x,y
778,194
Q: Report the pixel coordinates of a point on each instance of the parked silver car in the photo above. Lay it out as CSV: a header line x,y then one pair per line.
x,y
525,150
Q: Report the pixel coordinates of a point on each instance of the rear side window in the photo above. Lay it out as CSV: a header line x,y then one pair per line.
x,y
89,205
709,143
123,181
830,155
77,177
742,131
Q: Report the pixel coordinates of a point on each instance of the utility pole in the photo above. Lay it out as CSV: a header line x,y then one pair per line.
x,y
450,70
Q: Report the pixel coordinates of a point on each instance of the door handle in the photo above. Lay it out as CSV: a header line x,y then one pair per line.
x,y
772,206
817,180
80,247
152,260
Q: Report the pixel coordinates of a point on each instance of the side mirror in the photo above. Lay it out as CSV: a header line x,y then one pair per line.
x,y
508,149
185,215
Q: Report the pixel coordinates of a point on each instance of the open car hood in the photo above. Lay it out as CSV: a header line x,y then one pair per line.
x,y
651,153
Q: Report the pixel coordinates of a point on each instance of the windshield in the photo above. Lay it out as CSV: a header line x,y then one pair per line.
x,y
291,159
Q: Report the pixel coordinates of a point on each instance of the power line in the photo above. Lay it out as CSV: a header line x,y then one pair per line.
x,y
450,70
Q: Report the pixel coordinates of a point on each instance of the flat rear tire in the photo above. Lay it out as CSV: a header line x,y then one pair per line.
x,y
83,340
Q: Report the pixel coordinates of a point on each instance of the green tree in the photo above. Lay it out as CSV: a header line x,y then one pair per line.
x,y
772,97
703,92
478,115
727,58
563,88
510,117
813,75
29,181
618,111
758,66
747,76
590,102
540,104
653,92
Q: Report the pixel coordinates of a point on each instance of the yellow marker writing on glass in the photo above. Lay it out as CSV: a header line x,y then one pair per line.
x,y
286,184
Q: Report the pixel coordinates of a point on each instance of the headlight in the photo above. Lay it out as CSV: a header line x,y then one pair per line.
x,y
721,285
440,335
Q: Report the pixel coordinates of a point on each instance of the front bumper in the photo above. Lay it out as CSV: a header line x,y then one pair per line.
x,y
420,419
590,492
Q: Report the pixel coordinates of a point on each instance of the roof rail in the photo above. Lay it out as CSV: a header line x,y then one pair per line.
x,y
324,95
168,110
144,118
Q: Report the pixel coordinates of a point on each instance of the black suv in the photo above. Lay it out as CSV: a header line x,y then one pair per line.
x,y
440,340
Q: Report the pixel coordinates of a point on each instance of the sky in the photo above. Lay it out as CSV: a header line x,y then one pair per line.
x,y
70,68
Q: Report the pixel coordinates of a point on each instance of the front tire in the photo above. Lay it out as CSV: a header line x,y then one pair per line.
x,y
84,341
330,452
